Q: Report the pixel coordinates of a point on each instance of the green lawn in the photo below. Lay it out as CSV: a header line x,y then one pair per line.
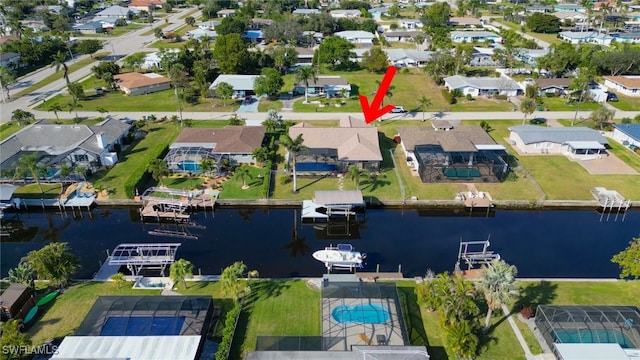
x,y
189,13
625,154
266,105
32,191
480,104
152,30
183,182
58,74
68,310
121,30
560,104
626,103
159,101
232,188
7,129
548,38
168,44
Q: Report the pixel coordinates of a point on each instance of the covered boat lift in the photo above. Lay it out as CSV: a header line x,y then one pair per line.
x,y
328,204
137,257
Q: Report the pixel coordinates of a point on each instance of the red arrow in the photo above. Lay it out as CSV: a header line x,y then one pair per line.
x,y
373,112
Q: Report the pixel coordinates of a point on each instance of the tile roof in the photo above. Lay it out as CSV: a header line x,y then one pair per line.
x,y
230,139
629,82
351,143
136,80
459,138
530,134
146,3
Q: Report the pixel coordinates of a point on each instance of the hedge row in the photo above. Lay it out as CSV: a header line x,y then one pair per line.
x,y
230,323
267,179
139,177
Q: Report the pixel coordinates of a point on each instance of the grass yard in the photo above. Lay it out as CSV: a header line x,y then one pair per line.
x,y
266,105
232,188
306,187
121,30
189,13
67,311
159,101
625,154
7,129
32,191
58,74
183,182
560,104
479,104
167,44
548,38
626,103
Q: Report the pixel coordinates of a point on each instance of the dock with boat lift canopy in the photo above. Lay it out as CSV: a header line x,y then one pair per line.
x,y
327,204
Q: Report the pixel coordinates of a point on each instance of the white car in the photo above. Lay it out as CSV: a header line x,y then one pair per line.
x,y
398,109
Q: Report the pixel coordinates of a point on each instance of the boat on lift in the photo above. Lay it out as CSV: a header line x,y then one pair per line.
x,y
342,256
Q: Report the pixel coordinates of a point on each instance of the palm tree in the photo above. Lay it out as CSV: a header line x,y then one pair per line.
x,y
80,170
498,283
461,340
55,107
59,62
243,173
65,171
206,166
158,169
293,146
388,93
190,20
261,154
180,270
528,106
22,117
22,274
118,279
304,74
232,282
355,173
424,103
28,164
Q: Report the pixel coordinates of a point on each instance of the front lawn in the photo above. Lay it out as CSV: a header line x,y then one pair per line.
x,y
560,104
121,30
7,129
480,104
266,105
626,103
183,182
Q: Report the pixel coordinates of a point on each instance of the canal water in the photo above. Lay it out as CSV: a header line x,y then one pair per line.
x,y
559,243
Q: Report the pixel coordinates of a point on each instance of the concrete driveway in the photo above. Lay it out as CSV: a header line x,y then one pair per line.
x,y
251,106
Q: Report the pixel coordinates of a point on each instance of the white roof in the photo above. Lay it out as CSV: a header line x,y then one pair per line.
x,y
239,82
338,197
579,145
591,352
128,347
355,34
490,147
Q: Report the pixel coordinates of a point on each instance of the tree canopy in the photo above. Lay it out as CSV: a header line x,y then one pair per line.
x,y
89,47
436,16
269,82
53,262
375,60
230,53
335,51
629,260
543,23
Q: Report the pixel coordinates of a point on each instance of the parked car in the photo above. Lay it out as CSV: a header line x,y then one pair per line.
x,y
537,121
398,109
248,99
612,97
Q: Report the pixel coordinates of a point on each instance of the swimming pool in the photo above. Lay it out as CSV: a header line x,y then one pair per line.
x,y
142,325
188,165
316,166
590,336
363,313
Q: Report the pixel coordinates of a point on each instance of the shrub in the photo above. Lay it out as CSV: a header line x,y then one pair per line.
x,y
469,97
266,180
230,322
526,312
285,179
485,125
448,96
511,176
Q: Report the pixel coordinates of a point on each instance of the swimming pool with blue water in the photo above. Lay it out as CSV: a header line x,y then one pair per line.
x,y
316,166
593,336
142,326
188,165
362,314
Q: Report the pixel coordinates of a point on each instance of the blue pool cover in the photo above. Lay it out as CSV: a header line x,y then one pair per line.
x,y
361,314
142,325
316,166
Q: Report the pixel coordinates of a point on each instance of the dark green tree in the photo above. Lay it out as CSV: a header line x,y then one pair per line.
x,y
54,262
335,51
231,25
629,260
375,60
543,23
269,82
230,53
89,47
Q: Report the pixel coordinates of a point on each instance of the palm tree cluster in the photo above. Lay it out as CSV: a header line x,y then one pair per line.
x,y
232,281
54,262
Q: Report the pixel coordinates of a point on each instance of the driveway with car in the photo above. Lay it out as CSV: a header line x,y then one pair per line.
x,y
249,106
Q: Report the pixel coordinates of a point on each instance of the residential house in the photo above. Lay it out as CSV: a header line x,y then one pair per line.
x,y
571,16
630,37
625,84
477,86
407,57
465,22
590,37
226,13
357,37
305,56
141,84
305,12
209,24
569,7
533,139
9,59
446,153
357,54
531,56
35,25
117,11
598,6
410,24
146,5
327,86
257,24
556,86
242,84
199,34
153,60
458,36
627,134
233,143
341,14
312,37
482,56
404,36
539,9
93,27
89,146
377,12
334,149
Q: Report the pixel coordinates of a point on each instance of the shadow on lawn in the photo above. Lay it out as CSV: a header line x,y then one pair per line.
x,y
534,294
313,182
268,288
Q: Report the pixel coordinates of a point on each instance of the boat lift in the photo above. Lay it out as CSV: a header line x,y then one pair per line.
x,y
474,253
144,256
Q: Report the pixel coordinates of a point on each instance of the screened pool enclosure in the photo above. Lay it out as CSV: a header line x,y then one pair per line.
x,y
188,159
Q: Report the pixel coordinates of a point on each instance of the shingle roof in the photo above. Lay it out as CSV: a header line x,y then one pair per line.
x,y
458,82
355,144
401,54
136,80
389,34
89,26
464,21
306,11
328,81
8,56
459,33
239,82
530,134
629,82
116,10
230,139
460,138
633,130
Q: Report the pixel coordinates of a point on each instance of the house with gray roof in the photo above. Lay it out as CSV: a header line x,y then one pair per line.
x,y
377,12
403,36
242,84
336,148
469,36
483,56
327,86
364,38
446,153
341,14
89,146
117,11
464,22
533,139
583,37
200,34
477,86
408,57
530,56
627,134
305,12
9,59
94,27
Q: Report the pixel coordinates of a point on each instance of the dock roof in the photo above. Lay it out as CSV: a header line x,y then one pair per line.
x,y
338,197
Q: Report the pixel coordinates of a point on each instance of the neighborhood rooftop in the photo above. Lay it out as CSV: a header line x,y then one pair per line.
x,y
230,139
533,134
459,138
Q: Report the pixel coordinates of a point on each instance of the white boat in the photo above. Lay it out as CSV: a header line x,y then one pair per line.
x,y
342,256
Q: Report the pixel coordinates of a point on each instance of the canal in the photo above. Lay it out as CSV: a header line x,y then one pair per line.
x,y
558,243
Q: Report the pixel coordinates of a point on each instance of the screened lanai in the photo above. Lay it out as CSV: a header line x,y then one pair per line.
x,y
589,324
438,165
187,159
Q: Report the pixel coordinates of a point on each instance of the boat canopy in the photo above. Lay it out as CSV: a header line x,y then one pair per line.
x,y
345,247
